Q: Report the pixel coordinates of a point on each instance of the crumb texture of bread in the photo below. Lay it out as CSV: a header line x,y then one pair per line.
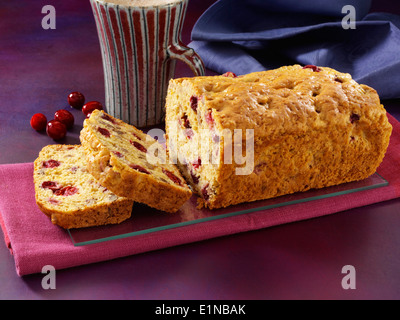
x,y
309,128
69,195
131,163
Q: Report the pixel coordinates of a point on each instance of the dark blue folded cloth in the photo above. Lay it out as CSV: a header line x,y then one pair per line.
x,y
244,36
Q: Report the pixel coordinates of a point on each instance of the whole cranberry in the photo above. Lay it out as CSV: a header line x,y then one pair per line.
x,y
76,100
90,106
65,117
38,121
56,129
229,74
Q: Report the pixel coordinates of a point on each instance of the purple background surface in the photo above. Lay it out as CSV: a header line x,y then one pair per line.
x,y
302,260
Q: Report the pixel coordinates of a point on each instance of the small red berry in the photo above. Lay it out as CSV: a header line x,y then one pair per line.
x,y
136,136
195,178
65,117
51,164
38,121
52,185
90,106
209,118
354,117
76,100
138,146
139,168
66,191
193,103
104,132
312,67
205,193
172,176
184,121
54,201
229,74
56,129
197,163
118,154
108,118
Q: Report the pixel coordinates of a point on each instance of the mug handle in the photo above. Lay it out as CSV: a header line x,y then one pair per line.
x,y
187,55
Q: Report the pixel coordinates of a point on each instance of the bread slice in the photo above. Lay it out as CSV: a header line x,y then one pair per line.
x,y
67,193
131,163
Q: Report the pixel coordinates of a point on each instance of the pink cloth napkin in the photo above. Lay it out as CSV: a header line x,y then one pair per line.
x,y
35,242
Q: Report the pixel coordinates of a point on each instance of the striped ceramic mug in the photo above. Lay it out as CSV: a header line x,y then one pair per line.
x,y
139,41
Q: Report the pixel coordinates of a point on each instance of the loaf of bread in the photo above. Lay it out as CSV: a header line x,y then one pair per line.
x,y
67,193
272,133
131,163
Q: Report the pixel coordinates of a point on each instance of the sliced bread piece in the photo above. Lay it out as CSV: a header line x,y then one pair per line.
x,y
131,163
67,193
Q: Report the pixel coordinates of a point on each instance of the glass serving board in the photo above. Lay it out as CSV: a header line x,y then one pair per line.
x,y
146,220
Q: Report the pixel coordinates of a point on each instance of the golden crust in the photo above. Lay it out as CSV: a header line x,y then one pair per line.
x,y
91,205
311,130
111,160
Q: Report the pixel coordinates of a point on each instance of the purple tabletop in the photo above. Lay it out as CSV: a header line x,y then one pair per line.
x,y
301,260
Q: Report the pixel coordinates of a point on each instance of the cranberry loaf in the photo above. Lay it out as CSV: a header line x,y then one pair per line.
x,y
266,134
131,163
67,193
